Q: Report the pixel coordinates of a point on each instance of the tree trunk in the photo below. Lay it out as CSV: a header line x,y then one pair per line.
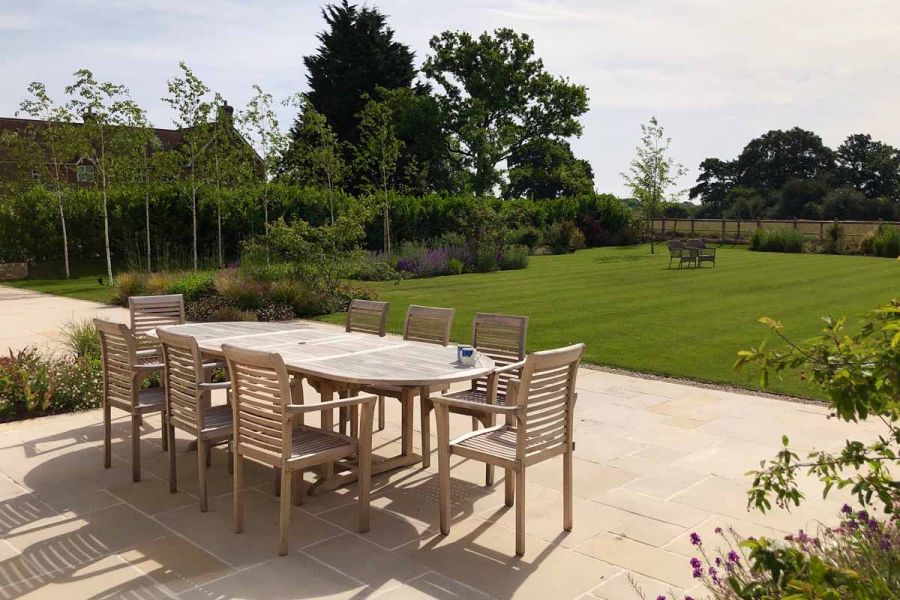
x,y
194,221
330,196
109,272
219,217
147,221
62,222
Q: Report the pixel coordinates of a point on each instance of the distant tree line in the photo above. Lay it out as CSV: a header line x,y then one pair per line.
x,y
792,174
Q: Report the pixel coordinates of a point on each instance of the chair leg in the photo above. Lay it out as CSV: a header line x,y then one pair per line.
x,y
442,416
230,460
277,481
567,491
163,432
365,465
107,436
208,454
238,493
509,486
380,413
488,468
284,521
426,408
173,466
136,447
520,511
475,423
202,454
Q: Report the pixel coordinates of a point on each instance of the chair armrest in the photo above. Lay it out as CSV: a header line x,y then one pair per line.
x,y
217,364
476,406
510,367
222,385
146,353
299,409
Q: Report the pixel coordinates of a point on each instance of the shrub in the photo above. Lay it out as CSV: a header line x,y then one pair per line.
x,y
455,266
527,236
834,240
514,257
231,313
375,267
563,237
191,285
82,339
32,385
238,289
884,241
486,260
159,283
129,284
202,309
287,292
275,311
777,240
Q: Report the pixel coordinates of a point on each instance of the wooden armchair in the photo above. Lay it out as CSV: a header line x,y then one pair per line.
x,y
423,324
702,253
123,373
188,405
267,430
502,338
539,410
678,251
150,312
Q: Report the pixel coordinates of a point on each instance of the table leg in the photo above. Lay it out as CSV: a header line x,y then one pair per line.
x,y
425,408
327,394
406,423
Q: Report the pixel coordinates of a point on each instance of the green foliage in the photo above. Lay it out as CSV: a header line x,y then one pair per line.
x,y
860,375
884,241
82,339
32,385
777,240
191,285
455,266
514,257
486,260
547,168
563,237
528,236
496,96
835,243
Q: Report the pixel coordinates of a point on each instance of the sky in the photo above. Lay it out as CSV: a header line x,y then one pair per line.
x,y
715,73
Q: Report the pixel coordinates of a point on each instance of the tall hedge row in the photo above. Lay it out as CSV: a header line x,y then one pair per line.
x,y
30,228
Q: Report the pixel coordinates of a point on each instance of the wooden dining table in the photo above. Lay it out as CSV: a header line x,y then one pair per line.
x,y
336,359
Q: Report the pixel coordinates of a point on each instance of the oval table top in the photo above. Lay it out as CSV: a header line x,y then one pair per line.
x,y
323,351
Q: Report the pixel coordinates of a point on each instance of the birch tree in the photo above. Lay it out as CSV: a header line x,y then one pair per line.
x,y
188,98
107,110
55,145
653,172
259,124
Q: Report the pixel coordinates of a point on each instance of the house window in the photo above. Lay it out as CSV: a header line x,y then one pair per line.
x,y
85,173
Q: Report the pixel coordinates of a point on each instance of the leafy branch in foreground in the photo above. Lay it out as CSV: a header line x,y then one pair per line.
x,y
860,374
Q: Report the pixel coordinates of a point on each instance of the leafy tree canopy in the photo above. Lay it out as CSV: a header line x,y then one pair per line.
x,y
496,96
547,168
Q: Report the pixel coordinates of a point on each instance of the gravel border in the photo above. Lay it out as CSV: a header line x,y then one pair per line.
x,y
703,384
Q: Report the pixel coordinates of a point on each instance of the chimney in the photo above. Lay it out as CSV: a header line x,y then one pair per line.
x,y
227,113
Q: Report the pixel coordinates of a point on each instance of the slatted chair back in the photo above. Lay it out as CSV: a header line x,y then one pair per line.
x,y
696,244
676,245
547,390
428,324
182,377
118,356
260,389
502,338
367,316
150,312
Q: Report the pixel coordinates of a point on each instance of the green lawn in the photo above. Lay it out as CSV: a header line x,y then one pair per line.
x,y
633,313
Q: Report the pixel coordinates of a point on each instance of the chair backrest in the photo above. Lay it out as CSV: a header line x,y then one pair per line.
x,y
118,356
428,324
150,312
547,389
675,246
260,389
502,338
182,376
696,244
367,316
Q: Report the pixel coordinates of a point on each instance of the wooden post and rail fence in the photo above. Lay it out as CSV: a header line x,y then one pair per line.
x,y
738,231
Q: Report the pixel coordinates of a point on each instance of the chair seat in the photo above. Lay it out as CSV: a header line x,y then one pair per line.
x,y
151,399
308,441
498,442
477,396
218,417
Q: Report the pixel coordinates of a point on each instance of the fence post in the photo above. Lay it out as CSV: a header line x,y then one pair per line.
x,y
737,236
723,230
795,223
692,226
821,231
663,226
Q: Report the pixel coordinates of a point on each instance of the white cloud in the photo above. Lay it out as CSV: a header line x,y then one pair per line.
x,y
716,73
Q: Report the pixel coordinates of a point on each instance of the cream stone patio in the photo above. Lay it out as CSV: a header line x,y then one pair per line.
x,y
655,461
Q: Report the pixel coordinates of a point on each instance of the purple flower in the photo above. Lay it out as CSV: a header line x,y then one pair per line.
x,y
862,515
698,573
695,539
846,509
789,538
733,557
688,598
719,530
886,545
660,597
695,562
802,537
718,562
873,525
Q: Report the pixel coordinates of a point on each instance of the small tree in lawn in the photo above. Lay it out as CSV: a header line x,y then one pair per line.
x,y
315,153
187,97
48,149
377,155
107,111
259,123
653,172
